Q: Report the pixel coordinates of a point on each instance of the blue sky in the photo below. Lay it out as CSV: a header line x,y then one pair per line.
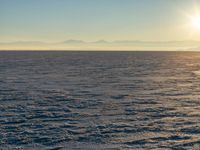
x,y
90,20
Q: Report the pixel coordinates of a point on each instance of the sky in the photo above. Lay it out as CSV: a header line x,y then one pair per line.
x,y
92,20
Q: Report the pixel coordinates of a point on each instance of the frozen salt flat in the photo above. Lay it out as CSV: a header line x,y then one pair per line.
x,y
99,100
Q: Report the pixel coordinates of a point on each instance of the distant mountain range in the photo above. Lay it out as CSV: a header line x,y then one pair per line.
x,y
102,45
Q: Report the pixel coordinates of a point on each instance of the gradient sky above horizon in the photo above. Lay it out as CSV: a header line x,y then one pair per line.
x,y
90,20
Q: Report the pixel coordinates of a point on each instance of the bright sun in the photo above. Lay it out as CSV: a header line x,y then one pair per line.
x,y
196,22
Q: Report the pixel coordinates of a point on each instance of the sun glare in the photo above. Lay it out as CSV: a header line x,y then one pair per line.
x,y
196,22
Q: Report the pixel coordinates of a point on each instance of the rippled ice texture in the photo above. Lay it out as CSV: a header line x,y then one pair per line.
x,y
99,100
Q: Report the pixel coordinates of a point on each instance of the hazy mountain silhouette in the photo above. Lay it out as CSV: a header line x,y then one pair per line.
x,y
101,45
73,42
